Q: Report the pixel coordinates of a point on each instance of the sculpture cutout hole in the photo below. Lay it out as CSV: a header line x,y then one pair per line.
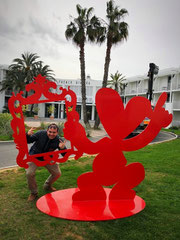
x,y
68,98
44,114
17,104
18,131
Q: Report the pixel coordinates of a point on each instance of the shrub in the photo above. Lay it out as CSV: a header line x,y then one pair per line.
x,y
5,109
5,126
174,128
44,126
61,126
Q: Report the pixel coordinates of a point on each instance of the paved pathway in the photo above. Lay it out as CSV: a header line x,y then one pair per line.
x,y
8,151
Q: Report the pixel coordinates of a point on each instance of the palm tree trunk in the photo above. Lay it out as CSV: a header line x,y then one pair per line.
x,y
107,63
105,78
83,84
116,87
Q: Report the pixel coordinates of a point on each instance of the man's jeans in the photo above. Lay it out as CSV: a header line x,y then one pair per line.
x,y
30,173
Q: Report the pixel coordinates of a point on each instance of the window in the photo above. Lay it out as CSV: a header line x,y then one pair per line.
x,y
6,101
168,98
78,109
169,83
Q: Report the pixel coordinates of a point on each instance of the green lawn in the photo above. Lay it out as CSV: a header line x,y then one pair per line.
x,y
20,220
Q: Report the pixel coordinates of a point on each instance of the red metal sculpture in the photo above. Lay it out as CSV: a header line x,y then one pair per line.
x,y
42,92
110,166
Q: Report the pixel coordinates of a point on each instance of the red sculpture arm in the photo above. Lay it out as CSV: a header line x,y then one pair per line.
x,y
160,118
76,134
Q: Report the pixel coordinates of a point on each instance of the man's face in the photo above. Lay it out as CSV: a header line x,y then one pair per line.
x,y
52,133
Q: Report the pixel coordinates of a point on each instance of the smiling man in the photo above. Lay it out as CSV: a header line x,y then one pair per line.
x,y
44,141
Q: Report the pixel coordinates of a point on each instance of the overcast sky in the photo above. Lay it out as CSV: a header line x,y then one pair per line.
x,y
38,26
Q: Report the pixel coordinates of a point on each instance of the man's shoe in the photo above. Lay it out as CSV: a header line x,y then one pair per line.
x,y
32,197
50,188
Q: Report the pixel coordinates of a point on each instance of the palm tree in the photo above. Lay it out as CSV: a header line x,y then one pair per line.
x,y
23,70
13,80
116,32
116,81
44,71
25,65
80,30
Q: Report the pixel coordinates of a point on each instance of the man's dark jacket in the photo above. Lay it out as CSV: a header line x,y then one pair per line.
x,y
42,143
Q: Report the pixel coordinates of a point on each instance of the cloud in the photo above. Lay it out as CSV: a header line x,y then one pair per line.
x,y
43,29
38,26
22,29
5,28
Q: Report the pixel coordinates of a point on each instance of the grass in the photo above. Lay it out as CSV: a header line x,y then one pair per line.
x,y
20,220
5,138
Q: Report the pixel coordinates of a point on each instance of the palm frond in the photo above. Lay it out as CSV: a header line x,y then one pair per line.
x,y
117,81
89,13
70,31
78,8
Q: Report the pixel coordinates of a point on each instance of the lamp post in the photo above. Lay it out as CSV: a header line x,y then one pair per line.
x,y
153,70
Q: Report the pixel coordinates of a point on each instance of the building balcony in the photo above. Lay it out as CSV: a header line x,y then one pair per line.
x,y
89,100
176,123
161,88
176,86
176,105
130,91
142,90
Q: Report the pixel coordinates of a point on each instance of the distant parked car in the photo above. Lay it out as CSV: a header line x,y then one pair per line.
x,y
145,122
141,126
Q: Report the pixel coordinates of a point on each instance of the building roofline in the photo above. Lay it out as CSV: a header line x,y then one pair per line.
x,y
163,72
4,66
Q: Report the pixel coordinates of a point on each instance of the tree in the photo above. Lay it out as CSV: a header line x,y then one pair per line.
x,y
116,32
81,29
44,71
14,80
23,70
116,82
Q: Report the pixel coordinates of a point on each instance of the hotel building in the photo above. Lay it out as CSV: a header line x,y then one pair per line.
x,y
167,80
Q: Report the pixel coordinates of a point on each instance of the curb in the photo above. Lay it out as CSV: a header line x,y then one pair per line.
x,y
168,140
174,136
7,142
3,169
17,166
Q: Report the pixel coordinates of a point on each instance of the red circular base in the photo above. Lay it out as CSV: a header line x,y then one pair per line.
x,y
59,204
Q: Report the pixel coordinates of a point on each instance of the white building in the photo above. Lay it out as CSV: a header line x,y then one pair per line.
x,y
167,80
4,96
92,87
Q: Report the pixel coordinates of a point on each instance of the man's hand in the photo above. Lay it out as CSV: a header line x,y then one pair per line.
x,y
62,144
31,131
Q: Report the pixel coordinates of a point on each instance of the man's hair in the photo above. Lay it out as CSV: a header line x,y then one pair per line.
x,y
54,126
